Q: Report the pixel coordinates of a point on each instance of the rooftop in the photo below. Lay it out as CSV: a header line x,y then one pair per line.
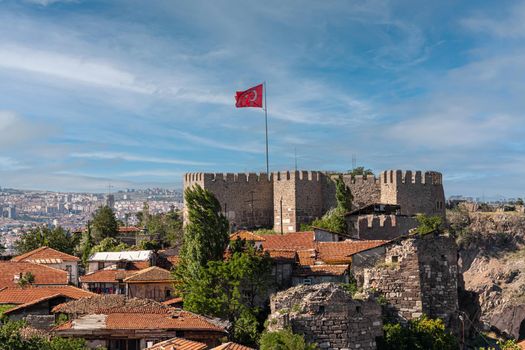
x,y
27,295
294,241
107,276
246,235
178,344
44,275
150,274
341,252
136,255
232,346
45,255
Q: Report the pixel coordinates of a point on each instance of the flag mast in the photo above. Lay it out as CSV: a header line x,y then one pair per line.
x,y
266,125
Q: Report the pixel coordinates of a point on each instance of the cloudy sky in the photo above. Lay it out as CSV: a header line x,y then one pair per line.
x,y
138,92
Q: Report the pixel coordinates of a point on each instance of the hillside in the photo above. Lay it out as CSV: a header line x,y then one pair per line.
x,y
492,259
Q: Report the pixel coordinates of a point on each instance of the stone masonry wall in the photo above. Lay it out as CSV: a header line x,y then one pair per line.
x,y
380,226
327,315
365,189
246,199
418,276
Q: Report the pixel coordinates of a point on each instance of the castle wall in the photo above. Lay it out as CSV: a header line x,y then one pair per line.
x,y
298,197
246,199
415,192
365,189
380,226
418,276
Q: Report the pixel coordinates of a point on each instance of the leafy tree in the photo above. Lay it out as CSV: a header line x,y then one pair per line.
x,y
109,245
333,220
148,244
56,238
284,340
229,289
86,244
167,226
427,224
13,336
420,333
360,171
26,278
206,234
519,201
104,224
343,195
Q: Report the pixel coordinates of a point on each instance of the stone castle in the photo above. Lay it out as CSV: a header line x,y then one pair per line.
x,y
285,200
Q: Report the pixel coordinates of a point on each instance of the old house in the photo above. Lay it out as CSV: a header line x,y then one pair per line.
x,y
178,344
152,283
53,258
14,274
34,304
139,259
116,322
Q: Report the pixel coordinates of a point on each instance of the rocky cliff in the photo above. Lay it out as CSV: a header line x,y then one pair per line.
x,y
492,259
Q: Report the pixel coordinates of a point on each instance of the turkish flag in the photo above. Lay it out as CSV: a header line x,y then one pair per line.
x,y
253,97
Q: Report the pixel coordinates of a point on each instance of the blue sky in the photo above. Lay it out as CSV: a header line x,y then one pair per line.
x,y
138,92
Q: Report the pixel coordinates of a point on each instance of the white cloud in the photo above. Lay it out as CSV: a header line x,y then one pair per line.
x,y
512,25
16,130
9,164
134,158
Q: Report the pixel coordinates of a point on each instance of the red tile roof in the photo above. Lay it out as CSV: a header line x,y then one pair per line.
x,y
178,344
27,295
321,270
246,235
127,229
150,274
40,255
107,276
294,241
140,320
341,252
307,257
232,346
282,254
31,303
44,275
173,301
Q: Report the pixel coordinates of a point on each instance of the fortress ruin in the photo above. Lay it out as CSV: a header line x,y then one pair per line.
x,y
285,200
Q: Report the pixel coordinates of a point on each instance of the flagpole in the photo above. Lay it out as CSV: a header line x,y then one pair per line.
x,y
266,125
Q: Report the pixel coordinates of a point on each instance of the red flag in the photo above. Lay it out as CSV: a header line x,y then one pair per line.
x,y
253,97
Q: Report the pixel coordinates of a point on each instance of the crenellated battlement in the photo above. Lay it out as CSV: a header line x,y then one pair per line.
x,y
411,177
298,175
227,177
360,179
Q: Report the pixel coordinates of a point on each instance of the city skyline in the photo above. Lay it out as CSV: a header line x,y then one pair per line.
x,y
136,95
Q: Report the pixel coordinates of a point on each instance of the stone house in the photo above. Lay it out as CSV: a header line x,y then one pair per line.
x,y
53,258
117,322
328,316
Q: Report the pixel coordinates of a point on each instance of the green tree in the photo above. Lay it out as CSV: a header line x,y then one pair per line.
x,y
284,340
343,195
167,227
206,234
421,333
87,244
104,224
333,220
56,238
519,201
14,337
109,244
360,171
428,224
229,289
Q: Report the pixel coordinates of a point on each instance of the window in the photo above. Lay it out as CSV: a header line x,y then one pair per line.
x,y
100,265
394,259
358,309
321,309
307,281
167,293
